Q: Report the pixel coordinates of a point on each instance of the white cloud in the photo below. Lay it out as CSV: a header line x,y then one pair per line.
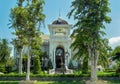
x,y
114,41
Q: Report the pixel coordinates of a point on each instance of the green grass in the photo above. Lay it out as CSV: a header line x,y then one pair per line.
x,y
62,82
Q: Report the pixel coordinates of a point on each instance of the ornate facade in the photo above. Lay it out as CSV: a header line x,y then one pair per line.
x,y
57,44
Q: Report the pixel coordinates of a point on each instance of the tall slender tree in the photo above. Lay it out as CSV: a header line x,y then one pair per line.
x,y
90,16
18,20
26,20
35,18
18,44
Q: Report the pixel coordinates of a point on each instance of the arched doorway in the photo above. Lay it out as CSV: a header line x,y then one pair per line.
x,y
60,59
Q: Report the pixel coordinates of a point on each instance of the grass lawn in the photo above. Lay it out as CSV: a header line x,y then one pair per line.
x,y
62,82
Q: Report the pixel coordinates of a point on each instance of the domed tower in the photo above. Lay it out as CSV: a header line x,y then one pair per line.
x,y
59,43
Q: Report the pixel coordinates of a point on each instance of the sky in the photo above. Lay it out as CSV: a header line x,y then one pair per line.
x,y
51,10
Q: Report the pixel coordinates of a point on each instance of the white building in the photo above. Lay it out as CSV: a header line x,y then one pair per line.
x,y
57,44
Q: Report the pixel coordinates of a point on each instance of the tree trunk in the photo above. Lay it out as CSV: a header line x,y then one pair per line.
x,y
28,65
93,55
94,60
20,62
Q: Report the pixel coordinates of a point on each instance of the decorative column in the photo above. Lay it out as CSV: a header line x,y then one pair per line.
x,y
69,56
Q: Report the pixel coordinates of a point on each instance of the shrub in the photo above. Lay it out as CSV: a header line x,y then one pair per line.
x,y
118,70
85,66
70,65
109,70
36,64
2,68
106,74
50,66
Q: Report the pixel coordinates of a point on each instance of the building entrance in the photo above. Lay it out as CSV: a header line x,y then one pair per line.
x,y
59,54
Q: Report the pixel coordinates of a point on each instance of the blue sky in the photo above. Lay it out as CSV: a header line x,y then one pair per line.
x,y
51,10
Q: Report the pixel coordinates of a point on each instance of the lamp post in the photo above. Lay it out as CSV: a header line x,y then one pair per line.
x,y
42,62
43,59
67,54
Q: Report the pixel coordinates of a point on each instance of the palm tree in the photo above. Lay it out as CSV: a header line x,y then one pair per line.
x,y
116,55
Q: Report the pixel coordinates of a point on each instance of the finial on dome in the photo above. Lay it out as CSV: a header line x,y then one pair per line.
x,y
59,13
59,20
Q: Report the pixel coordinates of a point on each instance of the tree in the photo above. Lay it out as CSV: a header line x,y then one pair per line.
x,y
18,20
37,68
35,18
90,16
36,53
116,50
18,44
9,65
116,55
36,43
104,53
81,53
4,53
26,20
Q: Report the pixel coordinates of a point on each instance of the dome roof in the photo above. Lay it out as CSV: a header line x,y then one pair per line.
x,y
59,21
